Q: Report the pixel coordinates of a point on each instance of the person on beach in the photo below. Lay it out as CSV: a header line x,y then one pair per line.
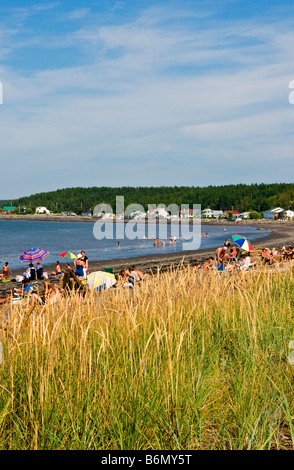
x,y
245,262
210,264
124,280
28,293
53,293
133,274
39,270
197,266
5,270
221,253
287,253
85,259
80,267
266,256
30,273
58,270
227,243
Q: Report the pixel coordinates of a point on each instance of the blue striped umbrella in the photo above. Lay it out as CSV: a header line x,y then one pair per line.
x,y
33,255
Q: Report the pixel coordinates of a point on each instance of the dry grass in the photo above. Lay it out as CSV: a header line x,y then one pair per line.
x,y
185,361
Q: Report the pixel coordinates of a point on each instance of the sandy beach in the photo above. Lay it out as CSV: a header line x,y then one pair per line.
x,y
277,234
281,234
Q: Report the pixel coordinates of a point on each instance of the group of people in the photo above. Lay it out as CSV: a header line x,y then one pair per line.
x,y
228,258
129,277
81,264
172,241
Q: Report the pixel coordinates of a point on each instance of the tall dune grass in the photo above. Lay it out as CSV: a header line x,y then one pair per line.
x,y
185,361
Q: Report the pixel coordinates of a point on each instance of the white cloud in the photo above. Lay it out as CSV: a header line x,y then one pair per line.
x,y
158,97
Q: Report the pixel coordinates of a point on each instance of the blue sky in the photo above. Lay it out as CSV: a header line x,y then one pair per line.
x,y
118,93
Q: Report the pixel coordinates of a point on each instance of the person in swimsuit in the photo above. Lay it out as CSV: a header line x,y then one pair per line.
x,y
58,270
80,266
5,270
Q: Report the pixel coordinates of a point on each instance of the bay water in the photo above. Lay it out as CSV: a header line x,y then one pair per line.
x,y
16,236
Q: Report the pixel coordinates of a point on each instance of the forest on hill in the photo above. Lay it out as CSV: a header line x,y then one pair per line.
x,y
240,197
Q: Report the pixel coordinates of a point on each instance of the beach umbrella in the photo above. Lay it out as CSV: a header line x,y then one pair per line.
x,y
242,242
101,280
33,255
68,254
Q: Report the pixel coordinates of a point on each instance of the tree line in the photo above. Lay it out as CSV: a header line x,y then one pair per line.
x,y
240,197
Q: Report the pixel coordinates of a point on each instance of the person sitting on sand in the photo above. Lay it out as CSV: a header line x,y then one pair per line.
x,y
28,293
245,262
58,270
133,274
232,255
124,280
52,293
210,264
266,257
31,272
39,270
288,253
197,266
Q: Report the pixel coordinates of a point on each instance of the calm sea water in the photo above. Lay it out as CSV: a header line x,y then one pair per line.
x,y
57,237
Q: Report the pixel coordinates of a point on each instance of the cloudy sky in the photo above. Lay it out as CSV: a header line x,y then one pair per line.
x,y
145,93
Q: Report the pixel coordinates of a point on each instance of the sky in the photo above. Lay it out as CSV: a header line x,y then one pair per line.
x,y
145,93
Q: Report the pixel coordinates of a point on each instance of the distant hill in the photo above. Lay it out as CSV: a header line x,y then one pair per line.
x,y
241,197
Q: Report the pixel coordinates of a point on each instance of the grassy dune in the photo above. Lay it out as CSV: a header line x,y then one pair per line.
x,y
183,362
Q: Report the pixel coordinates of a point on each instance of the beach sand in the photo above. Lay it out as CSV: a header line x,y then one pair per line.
x,y
277,234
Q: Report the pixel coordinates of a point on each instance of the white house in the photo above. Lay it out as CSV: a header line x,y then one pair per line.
x,y
244,215
288,214
42,210
138,215
187,213
159,212
275,213
211,213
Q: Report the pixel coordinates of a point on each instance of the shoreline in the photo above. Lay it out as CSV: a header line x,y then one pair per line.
x,y
278,234
91,219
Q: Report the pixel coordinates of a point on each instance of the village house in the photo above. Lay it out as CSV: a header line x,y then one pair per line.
x,y
42,210
276,213
234,213
211,213
289,215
